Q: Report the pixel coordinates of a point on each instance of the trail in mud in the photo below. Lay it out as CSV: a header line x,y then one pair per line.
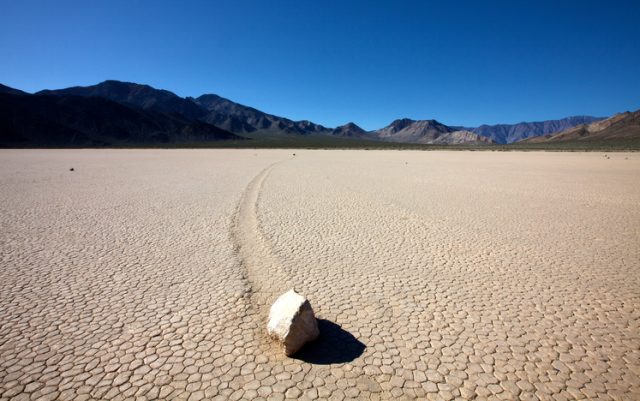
x,y
261,267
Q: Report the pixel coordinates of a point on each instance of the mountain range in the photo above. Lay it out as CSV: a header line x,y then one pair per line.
x,y
73,121
115,113
623,126
509,133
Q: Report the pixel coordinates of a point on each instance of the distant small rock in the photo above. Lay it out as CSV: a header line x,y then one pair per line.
x,y
292,322
71,169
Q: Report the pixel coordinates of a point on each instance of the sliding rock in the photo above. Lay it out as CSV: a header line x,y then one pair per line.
x,y
292,322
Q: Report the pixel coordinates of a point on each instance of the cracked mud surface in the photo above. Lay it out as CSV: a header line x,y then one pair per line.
x,y
146,274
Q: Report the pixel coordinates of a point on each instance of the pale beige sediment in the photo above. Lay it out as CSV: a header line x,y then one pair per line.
x,y
261,267
145,273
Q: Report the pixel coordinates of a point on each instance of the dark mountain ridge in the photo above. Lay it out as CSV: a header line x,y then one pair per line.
x,y
11,91
244,119
73,121
164,116
350,130
210,108
137,95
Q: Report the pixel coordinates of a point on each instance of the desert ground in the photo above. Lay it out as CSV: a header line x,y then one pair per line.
x,y
148,274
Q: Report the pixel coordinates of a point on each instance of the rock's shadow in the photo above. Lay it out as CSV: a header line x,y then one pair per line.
x,y
334,345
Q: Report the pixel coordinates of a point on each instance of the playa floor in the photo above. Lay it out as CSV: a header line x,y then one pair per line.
x,y
147,274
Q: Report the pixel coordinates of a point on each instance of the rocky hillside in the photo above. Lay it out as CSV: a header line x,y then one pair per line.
x,y
461,137
509,133
72,121
622,126
426,132
135,95
350,130
209,108
240,119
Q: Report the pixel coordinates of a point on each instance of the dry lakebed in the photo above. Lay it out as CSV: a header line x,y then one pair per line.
x,y
439,275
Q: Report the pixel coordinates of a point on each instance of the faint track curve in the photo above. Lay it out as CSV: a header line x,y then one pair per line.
x,y
261,268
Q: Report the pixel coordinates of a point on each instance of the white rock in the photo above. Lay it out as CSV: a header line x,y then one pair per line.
x,y
292,322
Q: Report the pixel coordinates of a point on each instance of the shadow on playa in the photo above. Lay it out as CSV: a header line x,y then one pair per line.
x,y
334,345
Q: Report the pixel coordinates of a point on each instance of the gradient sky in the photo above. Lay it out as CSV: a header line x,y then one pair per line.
x,y
460,62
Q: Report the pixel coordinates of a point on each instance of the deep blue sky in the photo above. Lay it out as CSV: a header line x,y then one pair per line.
x,y
460,62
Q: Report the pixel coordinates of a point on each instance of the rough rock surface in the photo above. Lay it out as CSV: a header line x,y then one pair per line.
x,y
292,322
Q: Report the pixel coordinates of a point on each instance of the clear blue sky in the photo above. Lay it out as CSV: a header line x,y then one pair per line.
x,y
460,62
